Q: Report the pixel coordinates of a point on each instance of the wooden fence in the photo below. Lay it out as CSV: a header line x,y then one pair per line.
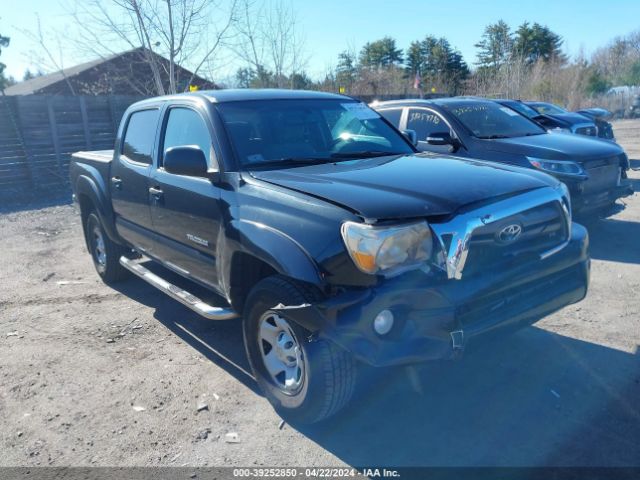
x,y
38,134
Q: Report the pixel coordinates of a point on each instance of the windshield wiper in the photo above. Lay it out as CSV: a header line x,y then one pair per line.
x,y
493,137
289,162
363,154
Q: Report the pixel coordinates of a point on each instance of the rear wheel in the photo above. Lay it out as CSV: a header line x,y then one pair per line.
x,y
104,252
306,381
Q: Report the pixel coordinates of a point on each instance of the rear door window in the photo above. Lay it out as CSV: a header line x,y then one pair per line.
x,y
140,136
393,115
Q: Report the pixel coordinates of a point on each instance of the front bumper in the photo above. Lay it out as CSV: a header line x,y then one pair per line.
x,y
435,320
587,202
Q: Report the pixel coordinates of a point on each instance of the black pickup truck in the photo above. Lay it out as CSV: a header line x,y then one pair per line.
x,y
319,224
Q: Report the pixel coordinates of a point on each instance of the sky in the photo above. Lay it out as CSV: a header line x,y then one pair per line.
x,y
331,26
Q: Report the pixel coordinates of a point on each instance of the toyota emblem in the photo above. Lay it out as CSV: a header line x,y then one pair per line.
x,y
510,233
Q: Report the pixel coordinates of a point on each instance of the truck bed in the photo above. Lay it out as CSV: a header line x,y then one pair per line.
x,y
95,165
97,155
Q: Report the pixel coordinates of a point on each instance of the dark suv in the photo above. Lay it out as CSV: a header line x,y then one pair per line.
x,y
595,171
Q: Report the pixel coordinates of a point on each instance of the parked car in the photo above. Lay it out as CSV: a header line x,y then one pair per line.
x,y
601,117
319,224
570,124
595,171
587,123
634,108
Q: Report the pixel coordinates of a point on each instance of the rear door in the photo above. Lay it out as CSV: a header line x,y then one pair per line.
x,y
130,177
186,210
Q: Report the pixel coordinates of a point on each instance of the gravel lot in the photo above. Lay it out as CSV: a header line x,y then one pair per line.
x,y
91,375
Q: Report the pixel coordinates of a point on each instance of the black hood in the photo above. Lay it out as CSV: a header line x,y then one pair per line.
x,y
596,113
407,186
570,118
556,146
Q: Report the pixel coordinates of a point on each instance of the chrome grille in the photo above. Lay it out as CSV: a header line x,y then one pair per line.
x,y
457,235
542,228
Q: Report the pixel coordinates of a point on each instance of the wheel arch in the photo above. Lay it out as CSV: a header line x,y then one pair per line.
x,y
91,196
256,251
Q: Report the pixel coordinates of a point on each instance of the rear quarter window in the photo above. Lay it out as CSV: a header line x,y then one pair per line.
x,y
392,115
140,136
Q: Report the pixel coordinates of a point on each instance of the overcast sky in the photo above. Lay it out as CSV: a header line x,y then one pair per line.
x,y
331,26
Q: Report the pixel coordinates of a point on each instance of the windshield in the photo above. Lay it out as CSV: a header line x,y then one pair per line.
x,y
548,109
492,120
523,109
283,132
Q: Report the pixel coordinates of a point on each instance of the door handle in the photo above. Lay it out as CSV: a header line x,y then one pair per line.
x,y
116,182
156,193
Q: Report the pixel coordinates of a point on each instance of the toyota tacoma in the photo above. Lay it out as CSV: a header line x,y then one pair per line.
x,y
319,225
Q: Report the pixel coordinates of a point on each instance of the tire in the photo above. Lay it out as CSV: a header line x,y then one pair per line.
x,y
321,376
105,253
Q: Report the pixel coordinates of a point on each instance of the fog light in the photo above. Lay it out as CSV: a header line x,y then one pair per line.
x,y
383,323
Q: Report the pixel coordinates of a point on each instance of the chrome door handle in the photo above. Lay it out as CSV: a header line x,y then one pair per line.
x,y
116,182
155,193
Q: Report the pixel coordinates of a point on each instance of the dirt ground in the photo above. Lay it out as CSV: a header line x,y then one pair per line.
x,y
91,375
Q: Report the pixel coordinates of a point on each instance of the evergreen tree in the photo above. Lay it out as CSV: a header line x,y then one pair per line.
x,y
537,42
495,46
381,53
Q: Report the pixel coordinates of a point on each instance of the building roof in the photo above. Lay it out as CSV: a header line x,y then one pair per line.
x,y
33,85
45,83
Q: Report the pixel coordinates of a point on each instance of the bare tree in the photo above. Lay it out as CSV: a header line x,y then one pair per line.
x,y
269,41
51,62
189,33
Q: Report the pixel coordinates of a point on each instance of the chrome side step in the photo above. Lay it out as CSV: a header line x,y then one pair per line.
x,y
187,299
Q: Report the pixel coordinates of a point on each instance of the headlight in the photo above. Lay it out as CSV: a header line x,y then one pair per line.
x,y
559,167
566,204
388,250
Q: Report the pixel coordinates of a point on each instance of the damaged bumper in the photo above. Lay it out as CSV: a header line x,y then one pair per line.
x,y
434,319
587,201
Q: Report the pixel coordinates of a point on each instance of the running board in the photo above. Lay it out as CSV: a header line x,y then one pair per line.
x,y
187,299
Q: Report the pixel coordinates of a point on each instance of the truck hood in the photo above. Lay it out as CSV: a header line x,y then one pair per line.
x,y
406,186
554,146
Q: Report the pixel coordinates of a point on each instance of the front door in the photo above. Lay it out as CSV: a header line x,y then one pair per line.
x,y
186,210
426,122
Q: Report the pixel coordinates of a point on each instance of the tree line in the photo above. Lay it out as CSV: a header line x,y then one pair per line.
x,y
261,42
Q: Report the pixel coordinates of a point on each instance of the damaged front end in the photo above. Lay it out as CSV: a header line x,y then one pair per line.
x,y
486,281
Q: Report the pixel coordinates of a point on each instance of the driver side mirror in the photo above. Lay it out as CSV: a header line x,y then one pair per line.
x,y
440,138
411,135
186,160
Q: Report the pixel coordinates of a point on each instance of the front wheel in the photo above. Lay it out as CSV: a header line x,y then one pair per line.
x,y
306,381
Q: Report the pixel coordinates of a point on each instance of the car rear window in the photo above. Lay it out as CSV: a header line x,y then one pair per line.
x,y
140,135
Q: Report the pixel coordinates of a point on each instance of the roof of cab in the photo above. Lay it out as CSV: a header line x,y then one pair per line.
x,y
249,94
429,101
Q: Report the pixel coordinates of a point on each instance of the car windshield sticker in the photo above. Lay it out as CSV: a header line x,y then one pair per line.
x,y
508,111
360,111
